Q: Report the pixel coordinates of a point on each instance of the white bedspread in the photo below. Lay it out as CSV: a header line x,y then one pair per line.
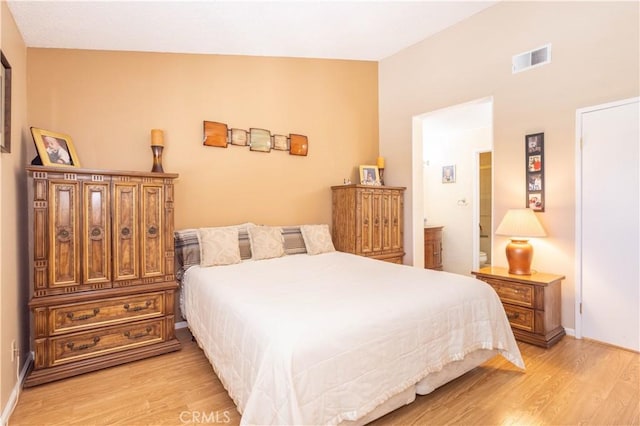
x,y
320,339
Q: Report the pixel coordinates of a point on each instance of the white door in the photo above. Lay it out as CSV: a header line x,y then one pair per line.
x,y
609,252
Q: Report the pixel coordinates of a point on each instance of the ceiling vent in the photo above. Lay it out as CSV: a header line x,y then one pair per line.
x,y
531,59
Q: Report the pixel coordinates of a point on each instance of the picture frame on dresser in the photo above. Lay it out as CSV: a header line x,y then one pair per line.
x,y
55,149
369,175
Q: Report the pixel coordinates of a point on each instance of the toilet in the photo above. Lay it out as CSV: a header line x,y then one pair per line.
x,y
483,258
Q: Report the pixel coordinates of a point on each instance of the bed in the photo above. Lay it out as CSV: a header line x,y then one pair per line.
x,y
330,337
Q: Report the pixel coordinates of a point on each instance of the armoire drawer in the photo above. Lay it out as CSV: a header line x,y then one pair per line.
x,y
93,343
518,294
100,313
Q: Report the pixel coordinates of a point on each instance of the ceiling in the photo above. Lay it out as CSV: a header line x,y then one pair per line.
x,y
357,30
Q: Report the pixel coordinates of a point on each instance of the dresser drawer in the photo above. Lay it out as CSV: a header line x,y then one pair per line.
x,y
117,310
518,294
521,318
91,344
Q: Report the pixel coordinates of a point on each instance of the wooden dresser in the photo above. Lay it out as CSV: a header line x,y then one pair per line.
x,y
368,221
433,247
102,276
532,303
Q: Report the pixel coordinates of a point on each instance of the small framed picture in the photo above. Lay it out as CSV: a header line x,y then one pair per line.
x,y
55,149
535,201
298,145
215,134
534,163
369,175
259,140
280,142
239,137
5,105
448,174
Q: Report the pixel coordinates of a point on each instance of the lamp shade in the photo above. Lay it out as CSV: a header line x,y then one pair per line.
x,y
520,223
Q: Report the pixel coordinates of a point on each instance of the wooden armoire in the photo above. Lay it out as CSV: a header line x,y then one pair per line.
x,y
368,221
102,276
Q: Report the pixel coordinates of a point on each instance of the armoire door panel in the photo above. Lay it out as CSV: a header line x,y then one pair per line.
x,y
152,231
64,256
96,233
386,220
378,200
396,206
125,229
366,225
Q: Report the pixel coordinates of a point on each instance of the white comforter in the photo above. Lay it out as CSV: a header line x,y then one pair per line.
x,y
320,339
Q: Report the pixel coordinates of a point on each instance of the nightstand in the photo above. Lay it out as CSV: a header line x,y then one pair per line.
x,y
532,303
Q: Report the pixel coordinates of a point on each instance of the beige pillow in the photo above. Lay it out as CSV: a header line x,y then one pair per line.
x,y
317,238
266,242
218,246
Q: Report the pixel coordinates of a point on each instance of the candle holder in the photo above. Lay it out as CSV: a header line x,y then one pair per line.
x,y
381,171
157,158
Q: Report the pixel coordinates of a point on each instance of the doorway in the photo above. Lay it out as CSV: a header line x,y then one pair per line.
x,y
485,207
444,140
607,229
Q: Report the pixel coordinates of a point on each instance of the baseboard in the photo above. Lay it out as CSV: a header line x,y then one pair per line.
x,y
181,324
570,332
15,393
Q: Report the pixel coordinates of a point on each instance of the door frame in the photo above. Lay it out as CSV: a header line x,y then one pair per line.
x,y
578,202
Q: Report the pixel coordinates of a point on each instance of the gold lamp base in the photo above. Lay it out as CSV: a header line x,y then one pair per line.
x,y
519,256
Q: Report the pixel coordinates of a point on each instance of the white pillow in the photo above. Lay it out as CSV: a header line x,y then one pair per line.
x,y
218,246
266,242
317,238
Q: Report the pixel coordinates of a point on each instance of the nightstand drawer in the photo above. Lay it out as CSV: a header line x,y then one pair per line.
x,y
518,294
116,310
521,318
90,344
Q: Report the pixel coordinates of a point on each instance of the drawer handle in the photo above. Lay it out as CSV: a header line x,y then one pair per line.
x,y
366,221
153,230
128,307
72,345
128,334
514,316
96,311
125,232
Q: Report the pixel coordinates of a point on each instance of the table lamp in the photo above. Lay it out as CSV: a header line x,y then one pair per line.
x,y
520,225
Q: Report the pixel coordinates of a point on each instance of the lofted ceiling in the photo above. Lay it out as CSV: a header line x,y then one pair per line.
x,y
355,30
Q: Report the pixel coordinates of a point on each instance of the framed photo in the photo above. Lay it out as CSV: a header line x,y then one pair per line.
x,y
298,145
369,175
5,105
534,163
280,142
448,174
239,137
259,140
215,134
55,149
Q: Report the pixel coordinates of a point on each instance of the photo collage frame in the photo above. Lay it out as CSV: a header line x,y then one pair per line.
x,y
534,159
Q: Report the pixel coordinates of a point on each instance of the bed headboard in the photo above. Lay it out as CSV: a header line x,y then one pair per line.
x,y
187,248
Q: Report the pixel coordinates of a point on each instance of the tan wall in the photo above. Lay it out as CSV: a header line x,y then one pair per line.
x,y
594,60
109,101
13,265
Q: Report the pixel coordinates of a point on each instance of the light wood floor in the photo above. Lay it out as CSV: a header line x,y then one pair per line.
x,y
575,382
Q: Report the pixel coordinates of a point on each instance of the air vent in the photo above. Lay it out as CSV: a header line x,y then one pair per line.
x,y
531,59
